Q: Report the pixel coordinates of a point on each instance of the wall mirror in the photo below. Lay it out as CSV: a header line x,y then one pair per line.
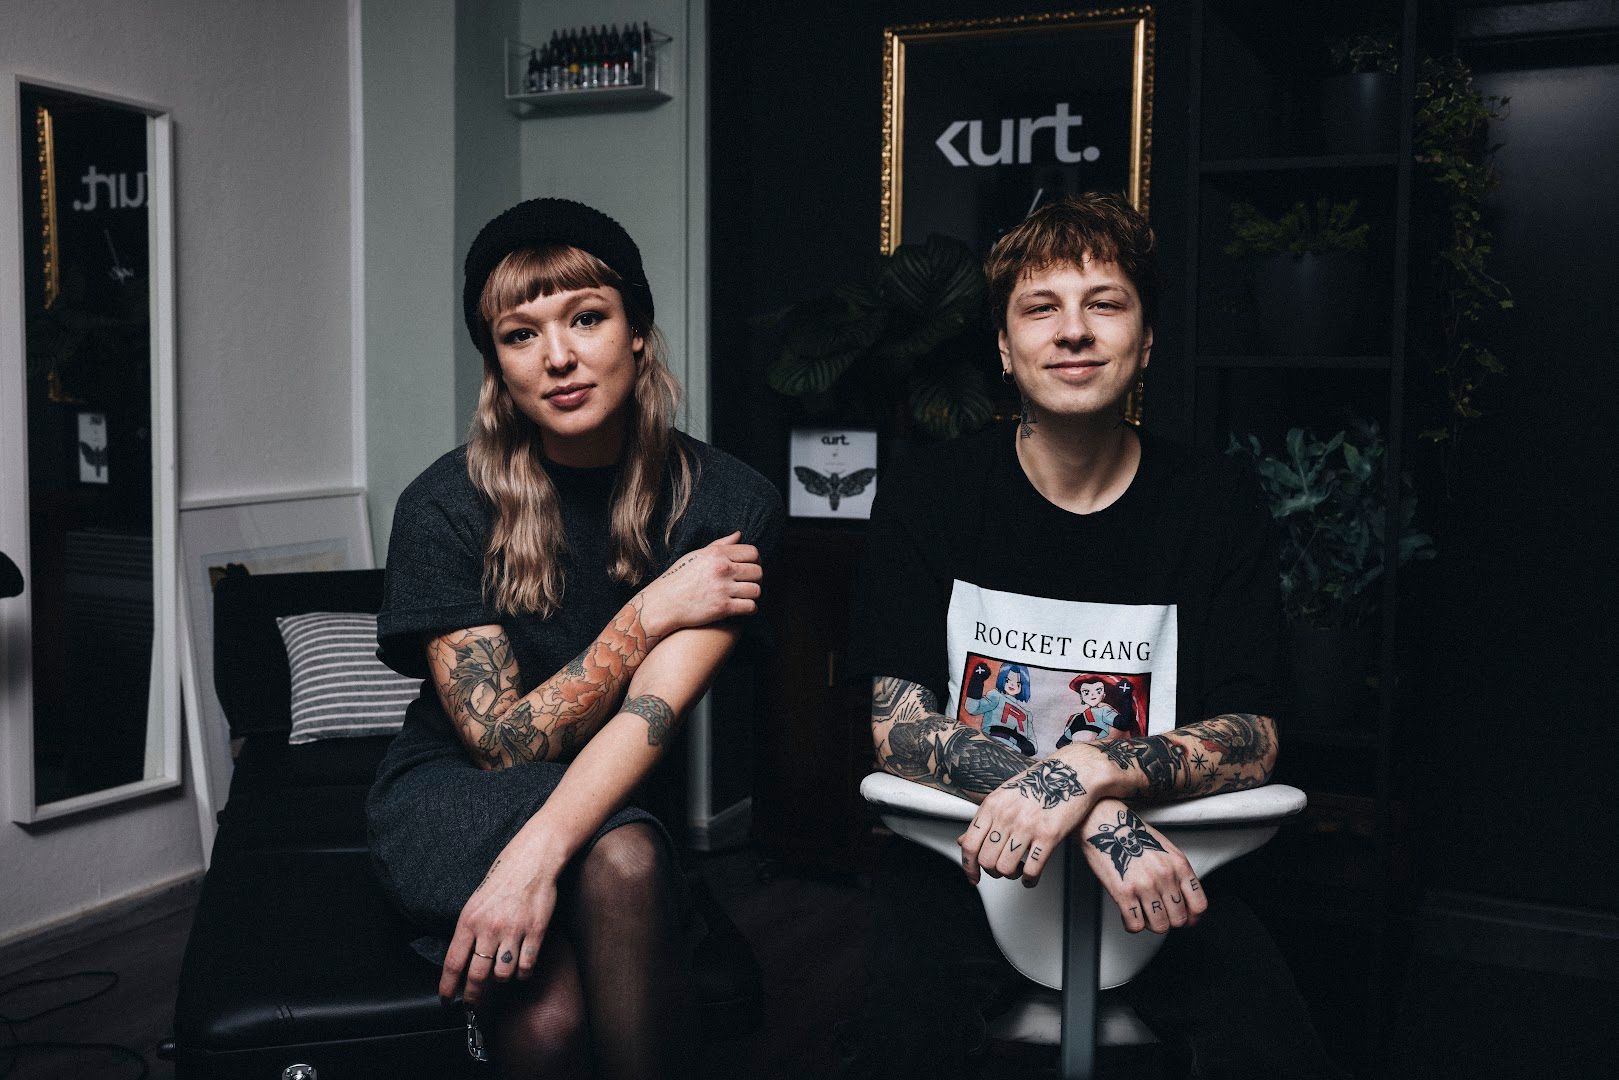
x,y
90,693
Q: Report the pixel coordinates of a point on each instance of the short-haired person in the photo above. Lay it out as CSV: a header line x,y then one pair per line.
x,y
567,583
1116,553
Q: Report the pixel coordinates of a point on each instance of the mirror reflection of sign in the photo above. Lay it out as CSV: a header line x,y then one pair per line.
x,y
1059,122
119,196
833,473
93,448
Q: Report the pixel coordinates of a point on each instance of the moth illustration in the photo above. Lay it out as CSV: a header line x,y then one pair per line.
x,y
834,486
1127,840
94,456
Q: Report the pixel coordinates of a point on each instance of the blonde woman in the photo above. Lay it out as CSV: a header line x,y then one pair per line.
x,y
567,583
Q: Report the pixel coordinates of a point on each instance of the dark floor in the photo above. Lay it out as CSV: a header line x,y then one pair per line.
x,y
1452,1019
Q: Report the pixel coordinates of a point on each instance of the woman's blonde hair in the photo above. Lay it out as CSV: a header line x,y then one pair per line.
x,y
522,564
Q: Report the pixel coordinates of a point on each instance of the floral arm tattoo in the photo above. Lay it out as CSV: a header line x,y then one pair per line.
x,y
476,676
914,740
1229,752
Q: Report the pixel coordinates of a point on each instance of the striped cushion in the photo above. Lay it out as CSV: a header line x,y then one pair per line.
x,y
339,688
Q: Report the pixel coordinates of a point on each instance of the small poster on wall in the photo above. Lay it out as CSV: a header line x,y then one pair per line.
x,y
93,448
834,473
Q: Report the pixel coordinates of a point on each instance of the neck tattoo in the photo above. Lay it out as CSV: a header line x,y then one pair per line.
x,y
1026,419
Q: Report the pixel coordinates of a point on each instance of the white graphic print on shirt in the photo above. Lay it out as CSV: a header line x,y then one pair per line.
x,y
1037,673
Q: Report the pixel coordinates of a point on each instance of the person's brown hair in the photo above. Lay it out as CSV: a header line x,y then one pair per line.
x,y
1095,225
522,564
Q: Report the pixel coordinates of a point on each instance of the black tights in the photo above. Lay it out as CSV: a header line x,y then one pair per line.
x,y
610,995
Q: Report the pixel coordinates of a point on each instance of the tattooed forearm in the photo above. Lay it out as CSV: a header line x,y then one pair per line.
x,y
659,717
1229,752
1124,841
1049,783
477,679
915,741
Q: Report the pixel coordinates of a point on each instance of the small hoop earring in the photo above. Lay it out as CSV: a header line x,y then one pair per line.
x,y
1006,376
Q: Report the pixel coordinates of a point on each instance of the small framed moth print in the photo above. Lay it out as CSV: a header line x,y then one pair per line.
x,y
833,473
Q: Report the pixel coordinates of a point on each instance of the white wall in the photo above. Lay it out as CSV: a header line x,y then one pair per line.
x,y
259,94
440,155
410,270
645,168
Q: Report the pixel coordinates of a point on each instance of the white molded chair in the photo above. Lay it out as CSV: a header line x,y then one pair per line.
x,y
1060,934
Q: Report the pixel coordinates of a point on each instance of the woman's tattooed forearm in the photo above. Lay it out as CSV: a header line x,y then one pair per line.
x,y
1049,783
1229,752
477,679
915,741
659,717
1124,841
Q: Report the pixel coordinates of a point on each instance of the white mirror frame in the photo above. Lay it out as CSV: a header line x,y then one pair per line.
x,y
162,767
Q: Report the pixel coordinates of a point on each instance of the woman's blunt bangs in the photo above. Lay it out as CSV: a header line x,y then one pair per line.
x,y
528,273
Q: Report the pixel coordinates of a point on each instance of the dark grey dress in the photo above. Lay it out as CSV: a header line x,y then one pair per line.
x,y
436,820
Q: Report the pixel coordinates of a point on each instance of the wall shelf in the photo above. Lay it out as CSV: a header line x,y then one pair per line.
x,y
645,93
1299,164
565,101
1317,363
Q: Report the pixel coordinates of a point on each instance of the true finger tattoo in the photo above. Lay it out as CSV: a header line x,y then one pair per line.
x,y
1177,898
1156,906
1127,840
1194,886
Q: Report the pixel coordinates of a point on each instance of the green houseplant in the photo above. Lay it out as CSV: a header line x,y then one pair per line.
x,y
1309,274
1326,497
903,349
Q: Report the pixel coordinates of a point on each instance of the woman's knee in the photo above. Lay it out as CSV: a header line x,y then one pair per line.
x,y
629,858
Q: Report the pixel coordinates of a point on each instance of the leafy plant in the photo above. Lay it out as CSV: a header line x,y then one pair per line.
x,y
1363,54
1453,150
1327,498
903,337
1302,230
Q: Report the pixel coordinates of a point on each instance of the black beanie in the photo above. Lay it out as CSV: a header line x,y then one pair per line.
x,y
538,222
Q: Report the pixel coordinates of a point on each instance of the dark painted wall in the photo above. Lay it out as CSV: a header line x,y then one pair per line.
x,y
1515,738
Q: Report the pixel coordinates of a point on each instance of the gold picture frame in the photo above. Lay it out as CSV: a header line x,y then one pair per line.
x,y
45,153
1123,37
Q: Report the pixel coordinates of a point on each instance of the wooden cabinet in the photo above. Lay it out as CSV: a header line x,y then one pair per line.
x,y
813,736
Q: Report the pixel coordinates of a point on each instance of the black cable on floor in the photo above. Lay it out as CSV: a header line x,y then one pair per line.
x,y
17,1047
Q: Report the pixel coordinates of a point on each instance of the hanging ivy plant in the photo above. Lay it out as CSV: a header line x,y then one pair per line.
x,y
1453,151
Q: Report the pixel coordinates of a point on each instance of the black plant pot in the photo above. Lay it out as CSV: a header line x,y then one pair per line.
x,y
1311,305
1329,676
1360,114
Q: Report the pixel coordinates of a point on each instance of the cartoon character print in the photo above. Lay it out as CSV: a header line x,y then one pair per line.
x,y
1003,711
1109,708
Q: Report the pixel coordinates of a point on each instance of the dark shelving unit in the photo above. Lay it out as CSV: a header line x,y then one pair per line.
x,y
1254,79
